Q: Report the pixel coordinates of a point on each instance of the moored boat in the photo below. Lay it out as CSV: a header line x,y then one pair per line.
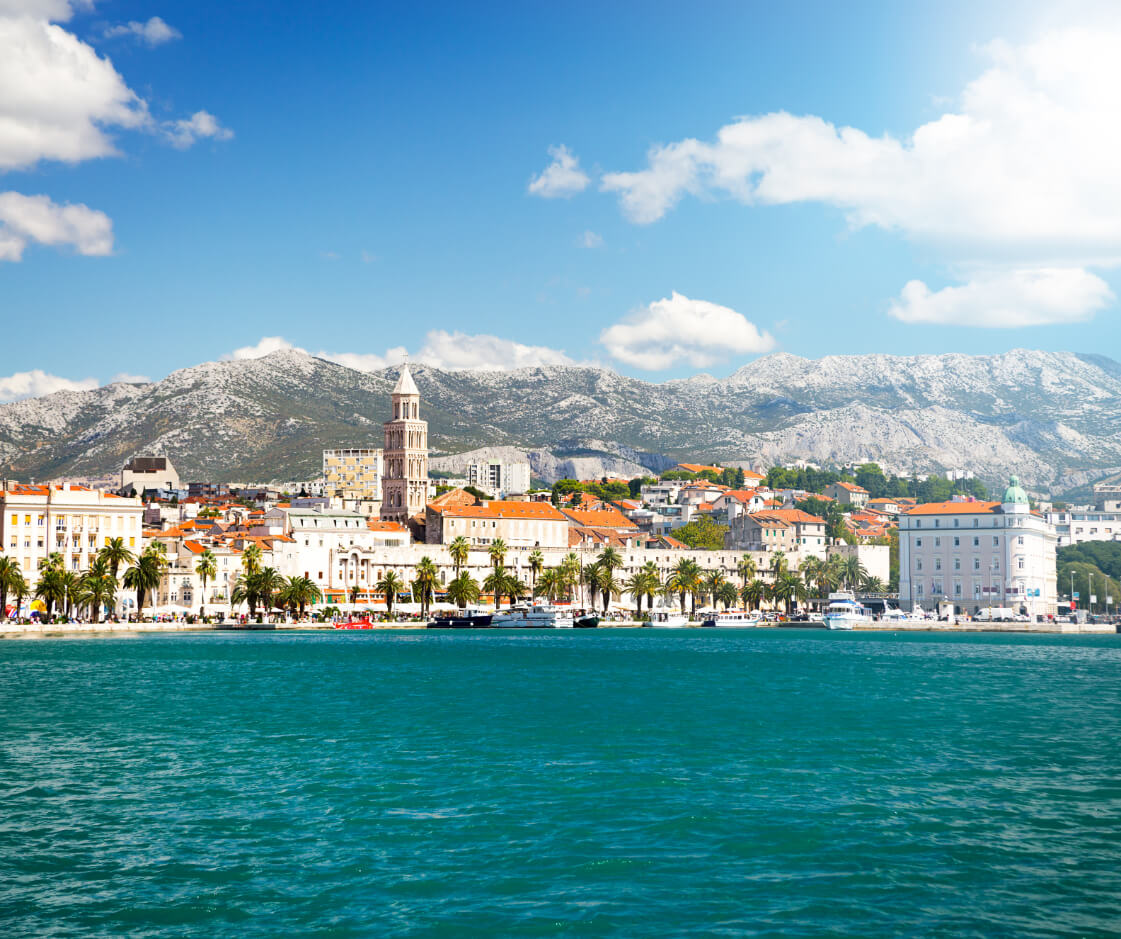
x,y
731,618
666,619
844,612
533,616
463,619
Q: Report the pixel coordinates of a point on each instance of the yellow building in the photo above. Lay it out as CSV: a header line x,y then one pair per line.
x,y
75,521
353,474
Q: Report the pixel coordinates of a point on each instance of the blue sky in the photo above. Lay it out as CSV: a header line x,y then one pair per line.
x,y
356,179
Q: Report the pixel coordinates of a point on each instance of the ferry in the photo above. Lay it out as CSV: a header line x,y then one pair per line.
x,y
731,618
463,619
355,623
666,619
533,616
844,612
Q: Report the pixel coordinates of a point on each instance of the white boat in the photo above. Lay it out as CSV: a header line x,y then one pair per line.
x,y
666,618
844,612
534,616
731,618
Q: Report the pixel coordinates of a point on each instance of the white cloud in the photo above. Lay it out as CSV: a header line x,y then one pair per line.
x,y
37,218
368,361
55,10
678,329
1007,299
267,346
591,239
561,178
36,382
201,124
59,95
154,32
1026,160
456,350
129,379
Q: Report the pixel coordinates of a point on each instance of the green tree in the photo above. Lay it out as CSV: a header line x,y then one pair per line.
x,y
495,584
251,558
9,571
702,533
549,584
207,569
389,586
536,561
686,578
116,555
144,577
459,550
753,593
424,584
643,583
497,550
463,590
51,588
606,584
99,587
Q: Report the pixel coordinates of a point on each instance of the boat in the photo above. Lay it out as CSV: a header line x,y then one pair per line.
x,y
586,621
731,618
355,623
463,619
533,616
666,618
843,612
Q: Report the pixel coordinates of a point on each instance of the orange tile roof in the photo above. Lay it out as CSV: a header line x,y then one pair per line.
x,y
194,547
375,525
751,474
955,508
501,509
599,518
792,516
699,467
742,495
851,487
454,497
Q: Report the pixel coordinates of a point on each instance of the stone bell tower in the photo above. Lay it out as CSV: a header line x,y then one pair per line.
x,y
405,479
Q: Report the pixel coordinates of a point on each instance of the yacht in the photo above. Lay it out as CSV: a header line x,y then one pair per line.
x,y
533,616
463,619
666,618
731,618
844,612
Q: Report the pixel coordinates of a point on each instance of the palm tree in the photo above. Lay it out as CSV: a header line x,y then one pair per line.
x,y
687,578
642,583
604,579
144,577
712,584
116,554
536,561
870,584
459,550
779,564
497,550
611,559
853,571
571,572
550,584
515,589
19,589
495,584
207,569
753,593
99,587
745,567
727,594
251,558
9,570
389,586
787,586
463,590
424,584
305,591
51,588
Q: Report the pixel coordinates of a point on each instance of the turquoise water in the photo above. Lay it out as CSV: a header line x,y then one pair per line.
x,y
630,783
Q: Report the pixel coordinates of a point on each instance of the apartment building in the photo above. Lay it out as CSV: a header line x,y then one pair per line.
x,y
499,478
353,474
75,521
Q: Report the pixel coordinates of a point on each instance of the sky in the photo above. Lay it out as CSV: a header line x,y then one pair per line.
x,y
658,188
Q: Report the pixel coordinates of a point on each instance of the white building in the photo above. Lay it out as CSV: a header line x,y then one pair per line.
x,y
978,554
148,472
498,478
74,521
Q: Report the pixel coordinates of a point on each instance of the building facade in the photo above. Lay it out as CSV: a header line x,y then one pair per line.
x,y
518,524
977,555
498,478
148,472
353,475
405,481
72,520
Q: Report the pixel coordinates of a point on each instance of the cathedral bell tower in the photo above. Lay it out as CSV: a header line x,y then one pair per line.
x,y
405,479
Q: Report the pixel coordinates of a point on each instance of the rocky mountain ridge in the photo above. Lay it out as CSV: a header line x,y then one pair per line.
x,y
1052,417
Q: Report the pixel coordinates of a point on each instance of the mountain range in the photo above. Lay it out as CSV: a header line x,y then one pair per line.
x,y
1051,417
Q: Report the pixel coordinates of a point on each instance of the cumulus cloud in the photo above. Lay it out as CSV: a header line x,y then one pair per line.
x,y
267,346
1007,299
128,379
52,10
1019,175
368,361
591,239
679,329
561,178
36,383
184,133
154,32
456,350
37,218
59,96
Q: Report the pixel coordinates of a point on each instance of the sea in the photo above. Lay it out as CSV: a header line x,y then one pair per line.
x,y
627,782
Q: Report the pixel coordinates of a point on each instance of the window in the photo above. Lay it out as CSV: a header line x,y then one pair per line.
x,y
957,590
957,541
918,564
918,542
938,542
996,541
918,523
1019,564
976,523
957,564
938,564
1020,539
976,564
976,541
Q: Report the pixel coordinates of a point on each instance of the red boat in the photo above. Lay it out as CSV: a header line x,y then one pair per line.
x,y
364,623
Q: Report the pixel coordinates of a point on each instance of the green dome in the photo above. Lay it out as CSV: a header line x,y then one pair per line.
x,y
1014,495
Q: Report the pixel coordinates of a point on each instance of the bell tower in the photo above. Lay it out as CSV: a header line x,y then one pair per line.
x,y
405,481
